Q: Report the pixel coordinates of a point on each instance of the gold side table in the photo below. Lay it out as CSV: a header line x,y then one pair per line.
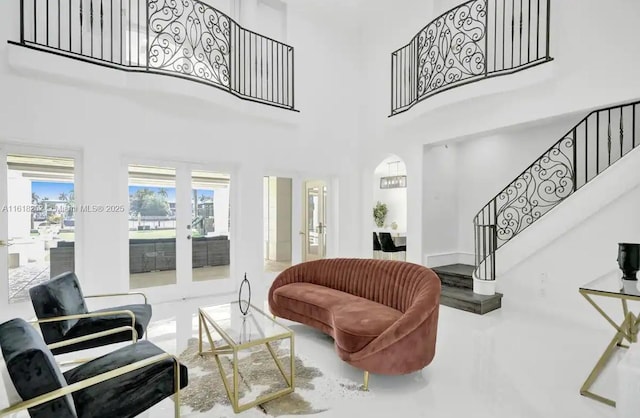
x,y
241,332
612,286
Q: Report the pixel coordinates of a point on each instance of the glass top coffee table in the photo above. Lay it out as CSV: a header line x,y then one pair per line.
x,y
612,286
238,332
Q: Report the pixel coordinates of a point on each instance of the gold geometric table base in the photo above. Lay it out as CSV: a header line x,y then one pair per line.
x,y
627,330
232,390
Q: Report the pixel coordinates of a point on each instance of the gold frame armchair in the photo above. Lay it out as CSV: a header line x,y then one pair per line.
x,y
67,325
117,384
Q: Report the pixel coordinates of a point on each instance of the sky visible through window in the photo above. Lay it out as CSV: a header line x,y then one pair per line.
x,y
171,192
50,190
54,190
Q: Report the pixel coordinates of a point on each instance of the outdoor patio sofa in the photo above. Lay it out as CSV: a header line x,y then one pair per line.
x,y
147,255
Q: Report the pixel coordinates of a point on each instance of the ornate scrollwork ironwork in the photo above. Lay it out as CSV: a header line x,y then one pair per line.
x,y
452,47
545,184
191,38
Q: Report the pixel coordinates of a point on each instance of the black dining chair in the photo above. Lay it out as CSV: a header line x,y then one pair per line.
x,y
377,248
388,246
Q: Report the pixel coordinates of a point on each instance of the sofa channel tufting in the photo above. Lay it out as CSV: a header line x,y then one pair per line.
x,y
382,314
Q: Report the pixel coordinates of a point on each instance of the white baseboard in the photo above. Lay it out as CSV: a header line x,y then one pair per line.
x,y
467,258
443,259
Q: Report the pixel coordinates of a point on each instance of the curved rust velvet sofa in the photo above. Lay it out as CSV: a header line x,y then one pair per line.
x,y
382,314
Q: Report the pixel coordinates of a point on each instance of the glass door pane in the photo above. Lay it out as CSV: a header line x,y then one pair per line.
x,y
315,221
152,226
277,213
41,221
210,224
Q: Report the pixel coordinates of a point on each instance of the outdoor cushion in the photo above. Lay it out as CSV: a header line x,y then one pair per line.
x,y
355,321
33,369
127,395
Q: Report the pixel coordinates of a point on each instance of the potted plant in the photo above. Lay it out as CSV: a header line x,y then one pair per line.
x,y
379,213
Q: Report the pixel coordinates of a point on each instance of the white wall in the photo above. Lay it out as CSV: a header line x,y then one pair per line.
x,y
227,7
18,202
272,19
221,211
440,204
277,220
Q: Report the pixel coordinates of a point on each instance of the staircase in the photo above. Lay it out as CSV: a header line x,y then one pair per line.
x,y
457,290
598,141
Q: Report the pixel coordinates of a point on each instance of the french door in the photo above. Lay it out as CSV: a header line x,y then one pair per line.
x,y
315,220
37,220
179,229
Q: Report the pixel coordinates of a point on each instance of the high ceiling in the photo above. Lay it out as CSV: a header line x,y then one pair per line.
x,y
339,9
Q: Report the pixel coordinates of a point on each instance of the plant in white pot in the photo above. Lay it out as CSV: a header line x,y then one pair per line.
x,y
379,213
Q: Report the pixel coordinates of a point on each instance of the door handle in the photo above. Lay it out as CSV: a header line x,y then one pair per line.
x,y
301,233
188,236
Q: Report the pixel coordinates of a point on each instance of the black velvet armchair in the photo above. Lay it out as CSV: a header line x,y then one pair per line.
x,y
68,326
122,384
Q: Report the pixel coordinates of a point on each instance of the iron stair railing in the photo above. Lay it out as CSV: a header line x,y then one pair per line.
x,y
187,39
586,150
476,40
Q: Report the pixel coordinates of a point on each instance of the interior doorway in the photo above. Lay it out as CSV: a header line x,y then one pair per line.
x,y
390,207
277,223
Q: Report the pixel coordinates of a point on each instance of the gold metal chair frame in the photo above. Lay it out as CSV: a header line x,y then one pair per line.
x,y
627,330
108,295
204,320
83,384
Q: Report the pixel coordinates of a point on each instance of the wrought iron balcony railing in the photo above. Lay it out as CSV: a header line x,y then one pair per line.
x,y
187,39
597,142
473,41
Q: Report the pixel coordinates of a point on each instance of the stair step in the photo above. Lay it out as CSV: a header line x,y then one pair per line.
x,y
456,275
461,270
466,300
